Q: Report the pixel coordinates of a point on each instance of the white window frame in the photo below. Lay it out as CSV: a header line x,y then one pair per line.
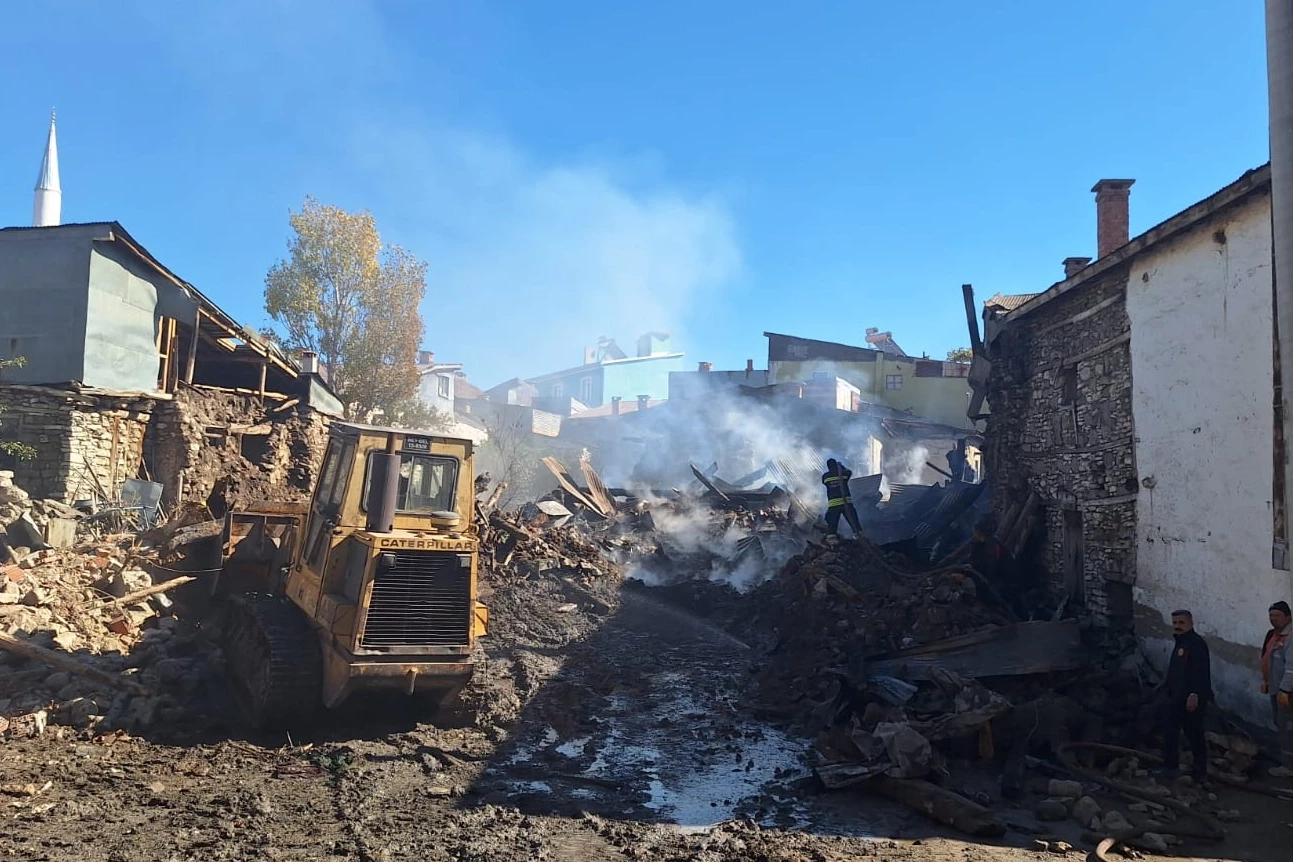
x,y
890,380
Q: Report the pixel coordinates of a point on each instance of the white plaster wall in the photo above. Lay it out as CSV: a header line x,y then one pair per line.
x,y
1201,348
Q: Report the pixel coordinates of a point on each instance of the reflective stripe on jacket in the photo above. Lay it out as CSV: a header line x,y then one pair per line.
x,y
837,487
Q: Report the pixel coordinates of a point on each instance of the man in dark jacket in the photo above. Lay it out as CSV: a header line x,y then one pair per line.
x,y
1189,690
839,500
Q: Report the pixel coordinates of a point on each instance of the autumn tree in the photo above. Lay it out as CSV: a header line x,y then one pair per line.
x,y
960,354
344,295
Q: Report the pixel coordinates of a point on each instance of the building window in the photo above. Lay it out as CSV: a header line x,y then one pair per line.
x,y
893,381
1068,385
821,375
442,385
586,389
558,390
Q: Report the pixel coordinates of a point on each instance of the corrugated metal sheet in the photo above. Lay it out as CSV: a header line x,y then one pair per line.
x,y
545,424
862,487
1008,301
797,470
956,498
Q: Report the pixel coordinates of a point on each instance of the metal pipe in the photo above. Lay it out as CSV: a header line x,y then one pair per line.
x,y
383,492
1279,70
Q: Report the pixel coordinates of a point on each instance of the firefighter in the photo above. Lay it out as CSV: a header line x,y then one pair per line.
x,y
839,500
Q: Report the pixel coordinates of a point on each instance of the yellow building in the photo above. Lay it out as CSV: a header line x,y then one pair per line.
x,y
931,389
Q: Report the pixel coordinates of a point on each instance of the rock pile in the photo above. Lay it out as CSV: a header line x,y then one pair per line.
x,y
91,640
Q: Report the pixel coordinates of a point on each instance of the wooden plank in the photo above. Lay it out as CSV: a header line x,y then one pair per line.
x,y
63,662
942,805
1015,650
193,351
972,319
563,479
708,484
597,488
156,589
937,469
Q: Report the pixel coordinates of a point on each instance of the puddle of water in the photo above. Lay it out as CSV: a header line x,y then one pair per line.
x,y
693,790
573,748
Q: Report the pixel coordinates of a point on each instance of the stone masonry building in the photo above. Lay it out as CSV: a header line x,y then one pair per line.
x,y
1136,399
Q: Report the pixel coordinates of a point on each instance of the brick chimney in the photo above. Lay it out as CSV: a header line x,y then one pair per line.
x,y
705,367
1112,215
749,367
642,402
615,405
1072,265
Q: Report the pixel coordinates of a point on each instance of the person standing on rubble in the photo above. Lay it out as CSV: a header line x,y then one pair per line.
x,y
839,500
1277,673
1189,691
957,460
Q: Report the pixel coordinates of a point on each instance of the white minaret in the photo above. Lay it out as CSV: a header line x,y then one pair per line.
x,y
47,209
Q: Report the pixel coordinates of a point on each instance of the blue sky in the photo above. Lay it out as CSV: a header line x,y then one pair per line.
x,y
576,169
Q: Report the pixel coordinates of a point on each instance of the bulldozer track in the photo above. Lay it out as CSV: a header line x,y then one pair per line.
x,y
274,661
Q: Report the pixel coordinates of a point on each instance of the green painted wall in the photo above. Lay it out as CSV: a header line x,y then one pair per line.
x,y
937,399
126,302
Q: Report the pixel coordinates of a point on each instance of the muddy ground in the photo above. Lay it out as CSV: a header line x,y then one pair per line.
x,y
616,729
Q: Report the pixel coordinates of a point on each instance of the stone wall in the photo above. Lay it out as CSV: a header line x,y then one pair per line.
x,y
1061,425
223,449
86,444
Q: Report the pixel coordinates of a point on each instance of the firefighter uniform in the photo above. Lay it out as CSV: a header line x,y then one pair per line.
x,y
839,501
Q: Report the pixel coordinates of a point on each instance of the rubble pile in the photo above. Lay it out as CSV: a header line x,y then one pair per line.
x,y
830,606
90,636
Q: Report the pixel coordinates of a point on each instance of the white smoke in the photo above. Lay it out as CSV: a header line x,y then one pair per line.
x,y
908,468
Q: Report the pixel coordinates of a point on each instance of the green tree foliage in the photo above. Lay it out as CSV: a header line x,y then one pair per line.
x,y
960,354
354,301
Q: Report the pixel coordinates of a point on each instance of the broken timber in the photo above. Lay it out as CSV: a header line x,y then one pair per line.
x,y
1015,650
597,488
942,805
52,658
154,590
708,484
568,485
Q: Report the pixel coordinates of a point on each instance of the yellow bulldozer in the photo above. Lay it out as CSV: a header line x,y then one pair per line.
x,y
369,586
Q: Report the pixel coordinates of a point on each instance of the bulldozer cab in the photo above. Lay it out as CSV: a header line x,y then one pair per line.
x,y
432,495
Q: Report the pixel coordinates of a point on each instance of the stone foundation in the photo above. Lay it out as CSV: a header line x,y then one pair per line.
x,y
86,444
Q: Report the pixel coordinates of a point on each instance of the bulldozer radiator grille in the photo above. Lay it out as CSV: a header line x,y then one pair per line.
x,y
422,600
